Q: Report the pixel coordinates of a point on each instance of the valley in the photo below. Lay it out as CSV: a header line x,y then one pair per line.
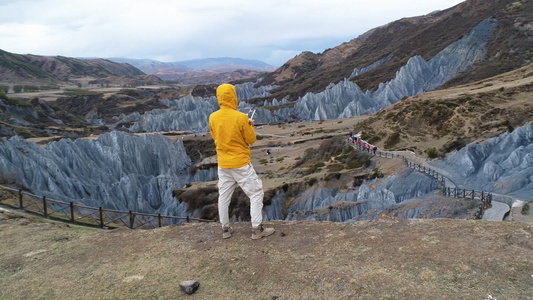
x,y
451,90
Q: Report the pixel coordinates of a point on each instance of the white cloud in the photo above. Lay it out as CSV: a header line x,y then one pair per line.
x,y
269,30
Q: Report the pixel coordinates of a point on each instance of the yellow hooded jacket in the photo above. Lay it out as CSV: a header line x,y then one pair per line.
x,y
231,130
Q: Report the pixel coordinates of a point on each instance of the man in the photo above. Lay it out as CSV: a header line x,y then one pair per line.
x,y
233,132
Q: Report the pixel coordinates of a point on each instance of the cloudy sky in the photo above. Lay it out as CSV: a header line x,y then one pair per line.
x,y
272,31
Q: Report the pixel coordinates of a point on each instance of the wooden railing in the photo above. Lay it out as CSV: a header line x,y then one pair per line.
x,y
484,197
86,215
438,177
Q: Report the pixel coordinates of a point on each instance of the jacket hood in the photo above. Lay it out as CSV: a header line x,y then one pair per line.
x,y
227,96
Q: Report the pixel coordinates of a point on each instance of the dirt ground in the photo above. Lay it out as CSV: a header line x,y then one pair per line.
x,y
386,258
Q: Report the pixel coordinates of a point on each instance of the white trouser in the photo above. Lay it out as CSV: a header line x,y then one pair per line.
x,y
252,186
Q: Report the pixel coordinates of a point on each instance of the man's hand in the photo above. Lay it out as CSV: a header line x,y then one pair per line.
x,y
251,122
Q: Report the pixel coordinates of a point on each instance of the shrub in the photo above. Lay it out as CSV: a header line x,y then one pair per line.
x,y
204,200
333,176
198,148
392,140
130,92
472,203
79,92
455,145
335,167
432,152
308,155
312,181
376,173
525,209
267,198
14,100
31,88
374,139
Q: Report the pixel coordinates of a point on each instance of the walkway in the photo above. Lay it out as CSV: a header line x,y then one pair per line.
x,y
496,212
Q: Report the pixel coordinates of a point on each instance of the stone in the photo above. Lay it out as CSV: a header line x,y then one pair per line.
x,y
189,286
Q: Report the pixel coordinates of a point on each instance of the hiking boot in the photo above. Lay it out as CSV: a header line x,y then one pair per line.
x,y
226,232
261,231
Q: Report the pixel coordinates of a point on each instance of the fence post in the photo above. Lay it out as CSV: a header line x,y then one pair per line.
x,y
21,202
159,219
464,193
449,194
101,217
131,220
188,219
72,212
45,207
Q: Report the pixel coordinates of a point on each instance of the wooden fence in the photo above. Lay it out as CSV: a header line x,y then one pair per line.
x,y
86,215
484,197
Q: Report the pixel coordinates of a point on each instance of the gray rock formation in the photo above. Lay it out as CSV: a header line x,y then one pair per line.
x,y
357,72
330,205
117,171
192,113
503,165
342,100
346,99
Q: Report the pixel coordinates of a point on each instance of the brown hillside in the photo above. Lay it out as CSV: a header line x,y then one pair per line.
x,y
426,36
449,119
24,69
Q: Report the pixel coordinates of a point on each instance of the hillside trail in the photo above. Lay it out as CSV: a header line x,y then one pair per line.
x,y
501,204
497,211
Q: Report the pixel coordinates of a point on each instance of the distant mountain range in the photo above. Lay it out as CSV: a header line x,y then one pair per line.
x,y
28,68
223,64
35,69
200,71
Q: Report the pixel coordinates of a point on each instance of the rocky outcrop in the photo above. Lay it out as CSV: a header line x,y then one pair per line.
x,y
192,113
503,165
117,171
324,204
346,99
342,100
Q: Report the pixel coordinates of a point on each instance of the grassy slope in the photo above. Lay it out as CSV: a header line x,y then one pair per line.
x,y
381,259
448,119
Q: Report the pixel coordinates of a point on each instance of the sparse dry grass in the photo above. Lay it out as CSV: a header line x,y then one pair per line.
x,y
386,258
449,119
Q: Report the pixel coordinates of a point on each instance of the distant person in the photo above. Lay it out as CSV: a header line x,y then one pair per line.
x,y
233,132
375,149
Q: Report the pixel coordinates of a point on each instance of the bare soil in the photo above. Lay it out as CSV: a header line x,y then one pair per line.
x,y
386,258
